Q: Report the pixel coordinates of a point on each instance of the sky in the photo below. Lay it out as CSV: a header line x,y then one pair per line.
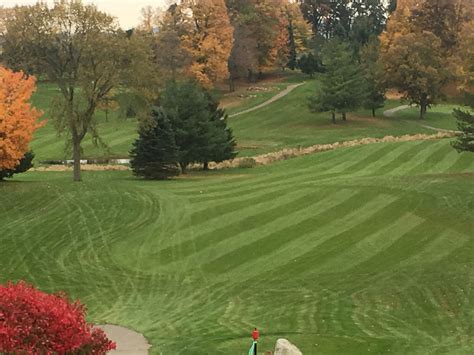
x,y
127,11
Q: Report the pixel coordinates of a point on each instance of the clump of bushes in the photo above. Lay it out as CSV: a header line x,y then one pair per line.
x,y
24,165
34,322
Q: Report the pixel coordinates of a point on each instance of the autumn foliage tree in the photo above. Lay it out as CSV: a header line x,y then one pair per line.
x,y
33,322
18,119
209,39
195,40
412,58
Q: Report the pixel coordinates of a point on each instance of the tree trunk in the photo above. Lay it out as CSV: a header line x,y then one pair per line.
x,y
333,117
423,106
183,167
231,84
423,111
205,166
343,116
373,112
76,156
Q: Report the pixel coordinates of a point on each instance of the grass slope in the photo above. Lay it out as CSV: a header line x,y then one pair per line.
x,y
360,250
439,116
285,123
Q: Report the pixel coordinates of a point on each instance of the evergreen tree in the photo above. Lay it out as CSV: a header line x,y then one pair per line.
x,y
186,105
200,127
221,143
465,141
343,87
292,61
465,117
309,64
373,73
154,154
24,165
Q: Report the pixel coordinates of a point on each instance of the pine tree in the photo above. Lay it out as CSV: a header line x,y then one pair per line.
x,y
200,128
154,154
220,140
465,117
343,87
465,141
373,74
309,64
292,61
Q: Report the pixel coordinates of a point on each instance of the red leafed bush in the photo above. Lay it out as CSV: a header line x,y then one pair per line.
x,y
33,322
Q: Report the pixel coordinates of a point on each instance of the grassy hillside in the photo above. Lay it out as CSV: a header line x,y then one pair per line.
x,y
289,123
439,116
285,123
359,250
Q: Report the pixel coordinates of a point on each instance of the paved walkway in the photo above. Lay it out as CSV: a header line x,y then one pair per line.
x,y
393,111
128,341
278,96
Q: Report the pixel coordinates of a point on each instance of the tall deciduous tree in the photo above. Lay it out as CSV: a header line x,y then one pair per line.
x,y
414,65
209,39
83,52
18,119
258,35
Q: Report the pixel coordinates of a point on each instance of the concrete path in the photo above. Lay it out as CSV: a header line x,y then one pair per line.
x,y
278,96
128,341
393,111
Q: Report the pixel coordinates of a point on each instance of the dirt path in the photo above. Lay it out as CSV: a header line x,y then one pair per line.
x,y
128,341
278,96
393,111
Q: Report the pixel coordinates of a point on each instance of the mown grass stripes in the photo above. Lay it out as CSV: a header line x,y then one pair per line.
x,y
358,250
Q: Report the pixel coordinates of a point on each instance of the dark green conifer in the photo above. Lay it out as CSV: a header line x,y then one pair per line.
x,y
154,154
343,86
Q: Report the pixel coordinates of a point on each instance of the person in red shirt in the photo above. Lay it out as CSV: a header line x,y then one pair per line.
x,y
255,336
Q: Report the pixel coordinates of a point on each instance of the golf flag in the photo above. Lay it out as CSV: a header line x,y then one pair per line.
x,y
252,347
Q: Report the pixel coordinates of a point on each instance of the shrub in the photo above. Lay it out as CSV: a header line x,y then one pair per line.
x,y
33,322
24,165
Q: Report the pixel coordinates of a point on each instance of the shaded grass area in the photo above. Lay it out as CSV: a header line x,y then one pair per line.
x,y
358,250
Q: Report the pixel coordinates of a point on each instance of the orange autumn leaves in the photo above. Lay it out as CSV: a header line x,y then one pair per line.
x,y
18,120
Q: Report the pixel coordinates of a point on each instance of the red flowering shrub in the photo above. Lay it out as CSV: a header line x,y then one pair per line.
x,y
33,322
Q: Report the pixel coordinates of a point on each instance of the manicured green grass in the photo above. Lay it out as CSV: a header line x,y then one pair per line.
x,y
359,250
285,123
289,123
118,133
438,116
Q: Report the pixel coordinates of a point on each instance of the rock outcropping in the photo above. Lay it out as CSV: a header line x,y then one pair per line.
x,y
284,347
